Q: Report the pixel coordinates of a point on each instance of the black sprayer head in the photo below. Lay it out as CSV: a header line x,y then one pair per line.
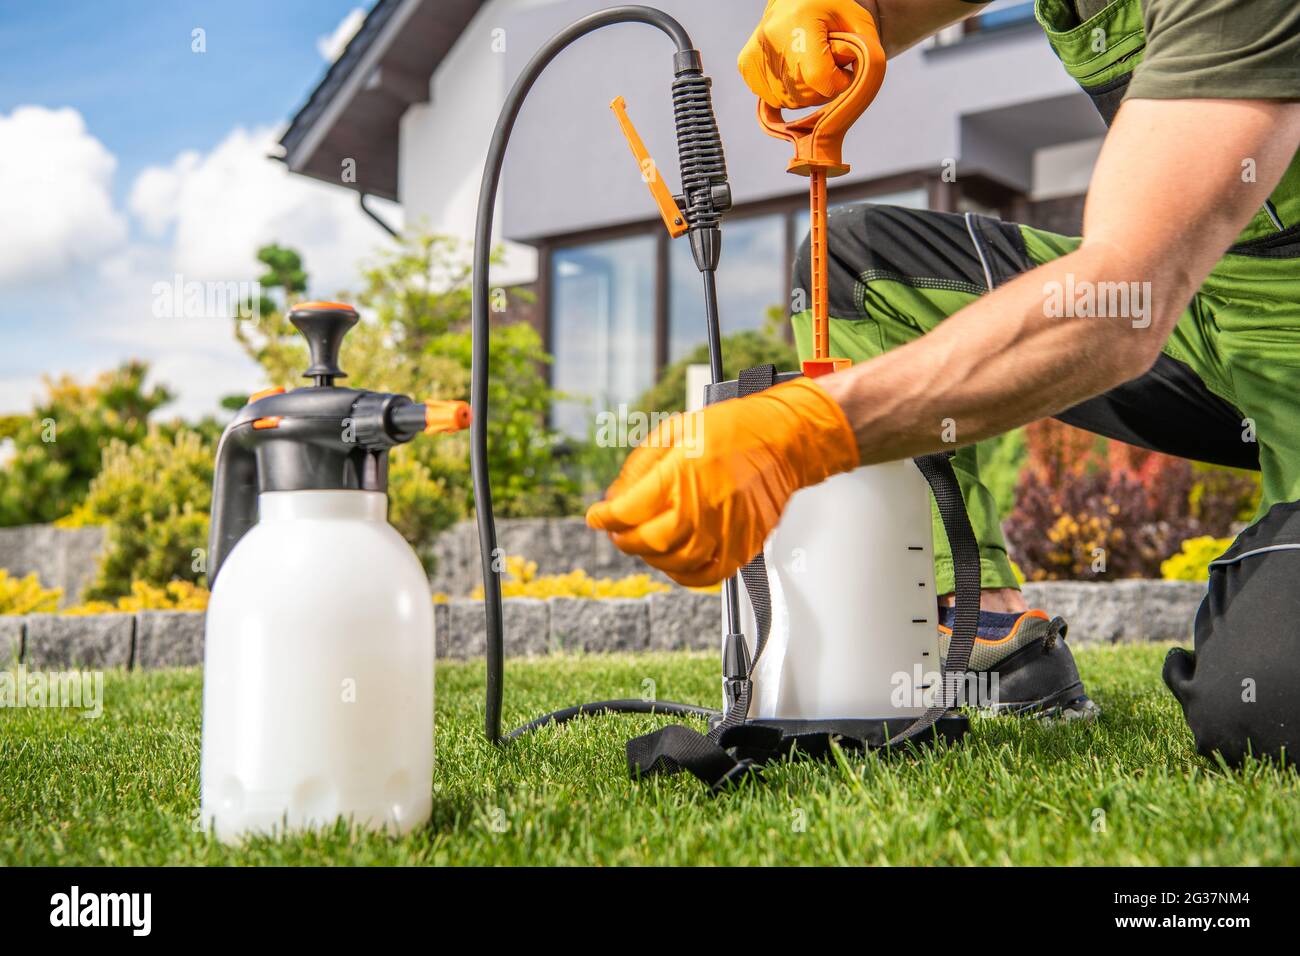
x,y
323,325
323,437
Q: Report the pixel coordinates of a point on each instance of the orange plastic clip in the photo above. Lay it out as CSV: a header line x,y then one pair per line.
x,y
443,417
258,396
671,214
818,154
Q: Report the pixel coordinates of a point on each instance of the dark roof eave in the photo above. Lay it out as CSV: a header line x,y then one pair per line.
x,y
355,111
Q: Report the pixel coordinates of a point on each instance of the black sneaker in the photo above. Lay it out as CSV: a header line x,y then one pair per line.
x,y
1033,668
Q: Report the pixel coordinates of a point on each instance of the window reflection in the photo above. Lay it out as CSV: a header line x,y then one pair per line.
x,y
603,321
752,278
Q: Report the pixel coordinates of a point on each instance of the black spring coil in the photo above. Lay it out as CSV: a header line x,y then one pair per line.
x,y
699,148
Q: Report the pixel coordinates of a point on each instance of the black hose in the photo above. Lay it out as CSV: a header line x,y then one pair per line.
x,y
701,153
613,707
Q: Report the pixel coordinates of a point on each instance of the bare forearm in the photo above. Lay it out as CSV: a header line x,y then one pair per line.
x,y
1003,361
904,23
1010,358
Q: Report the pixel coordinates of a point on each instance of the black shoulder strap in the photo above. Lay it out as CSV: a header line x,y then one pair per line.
x,y
733,748
754,574
938,471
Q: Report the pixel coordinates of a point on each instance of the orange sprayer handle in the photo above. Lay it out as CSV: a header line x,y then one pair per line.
x,y
819,137
442,417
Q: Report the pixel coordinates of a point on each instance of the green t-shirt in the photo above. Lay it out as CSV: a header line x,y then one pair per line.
x,y
1216,49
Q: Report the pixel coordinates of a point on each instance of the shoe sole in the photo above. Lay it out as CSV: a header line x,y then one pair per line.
x,y
1068,704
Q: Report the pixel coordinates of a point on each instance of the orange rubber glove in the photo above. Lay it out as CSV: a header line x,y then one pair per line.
x,y
700,497
790,61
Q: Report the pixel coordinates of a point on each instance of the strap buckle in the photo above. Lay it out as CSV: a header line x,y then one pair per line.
x,y
737,774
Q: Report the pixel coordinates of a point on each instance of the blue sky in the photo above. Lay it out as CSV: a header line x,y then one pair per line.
x,y
126,66
127,158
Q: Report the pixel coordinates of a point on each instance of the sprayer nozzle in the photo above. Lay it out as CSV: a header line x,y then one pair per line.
x,y
432,418
443,417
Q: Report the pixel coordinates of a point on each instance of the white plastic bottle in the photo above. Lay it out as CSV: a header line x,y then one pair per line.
x,y
318,654
318,672
851,575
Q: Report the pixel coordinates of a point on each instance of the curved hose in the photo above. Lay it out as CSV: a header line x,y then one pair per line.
x,y
688,90
613,707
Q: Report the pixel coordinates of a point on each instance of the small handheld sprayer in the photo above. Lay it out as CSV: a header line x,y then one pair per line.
x,y
837,643
318,653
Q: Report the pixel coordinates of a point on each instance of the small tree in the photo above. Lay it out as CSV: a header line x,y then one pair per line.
x,y
154,498
740,350
57,449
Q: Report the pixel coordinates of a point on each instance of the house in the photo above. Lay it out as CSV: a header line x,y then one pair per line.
x,y
982,117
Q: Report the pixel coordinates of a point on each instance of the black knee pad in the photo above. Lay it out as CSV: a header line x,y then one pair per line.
x,y
915,246
1240,691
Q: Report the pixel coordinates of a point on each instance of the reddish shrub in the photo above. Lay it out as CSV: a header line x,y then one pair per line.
x,y
1087,508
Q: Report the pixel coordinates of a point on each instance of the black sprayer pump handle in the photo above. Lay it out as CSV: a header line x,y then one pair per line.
x,y
323,325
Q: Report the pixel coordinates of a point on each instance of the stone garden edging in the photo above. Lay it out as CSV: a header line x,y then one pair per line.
x,y
1099,613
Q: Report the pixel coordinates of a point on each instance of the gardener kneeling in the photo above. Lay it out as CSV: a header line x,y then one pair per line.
x,y
970,320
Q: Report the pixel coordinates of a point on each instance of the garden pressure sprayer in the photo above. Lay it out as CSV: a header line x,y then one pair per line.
x,y
318,654
840,604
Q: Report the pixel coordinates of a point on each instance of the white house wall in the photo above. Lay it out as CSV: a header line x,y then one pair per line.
x,y
569,168
442,143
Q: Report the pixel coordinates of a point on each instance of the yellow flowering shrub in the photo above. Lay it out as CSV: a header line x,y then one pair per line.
x,y
522,580
173,596
26,596
1192,562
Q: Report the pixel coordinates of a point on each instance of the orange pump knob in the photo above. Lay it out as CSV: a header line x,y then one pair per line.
x,y
818,154
819,137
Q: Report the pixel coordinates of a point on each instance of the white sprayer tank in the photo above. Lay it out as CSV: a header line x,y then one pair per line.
x,y
851,574
318,672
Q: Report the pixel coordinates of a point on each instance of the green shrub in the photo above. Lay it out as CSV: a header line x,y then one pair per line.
x,y
58,447
154,499
740,350
1001,460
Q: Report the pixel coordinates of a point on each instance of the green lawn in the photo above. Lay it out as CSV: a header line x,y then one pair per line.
x,y
123,789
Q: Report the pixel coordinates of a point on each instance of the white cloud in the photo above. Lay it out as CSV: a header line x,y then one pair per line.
x,y
331,47
222,206
56,204
202,216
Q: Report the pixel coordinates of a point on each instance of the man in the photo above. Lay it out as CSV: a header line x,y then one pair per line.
x,y
1194,208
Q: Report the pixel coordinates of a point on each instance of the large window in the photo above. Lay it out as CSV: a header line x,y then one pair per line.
x,y
752,279
620,308
603,327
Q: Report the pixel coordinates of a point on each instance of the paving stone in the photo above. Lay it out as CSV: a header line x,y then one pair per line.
x,y
1121,611
527,628
685,620
169,639
610,624
79,640
11,639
